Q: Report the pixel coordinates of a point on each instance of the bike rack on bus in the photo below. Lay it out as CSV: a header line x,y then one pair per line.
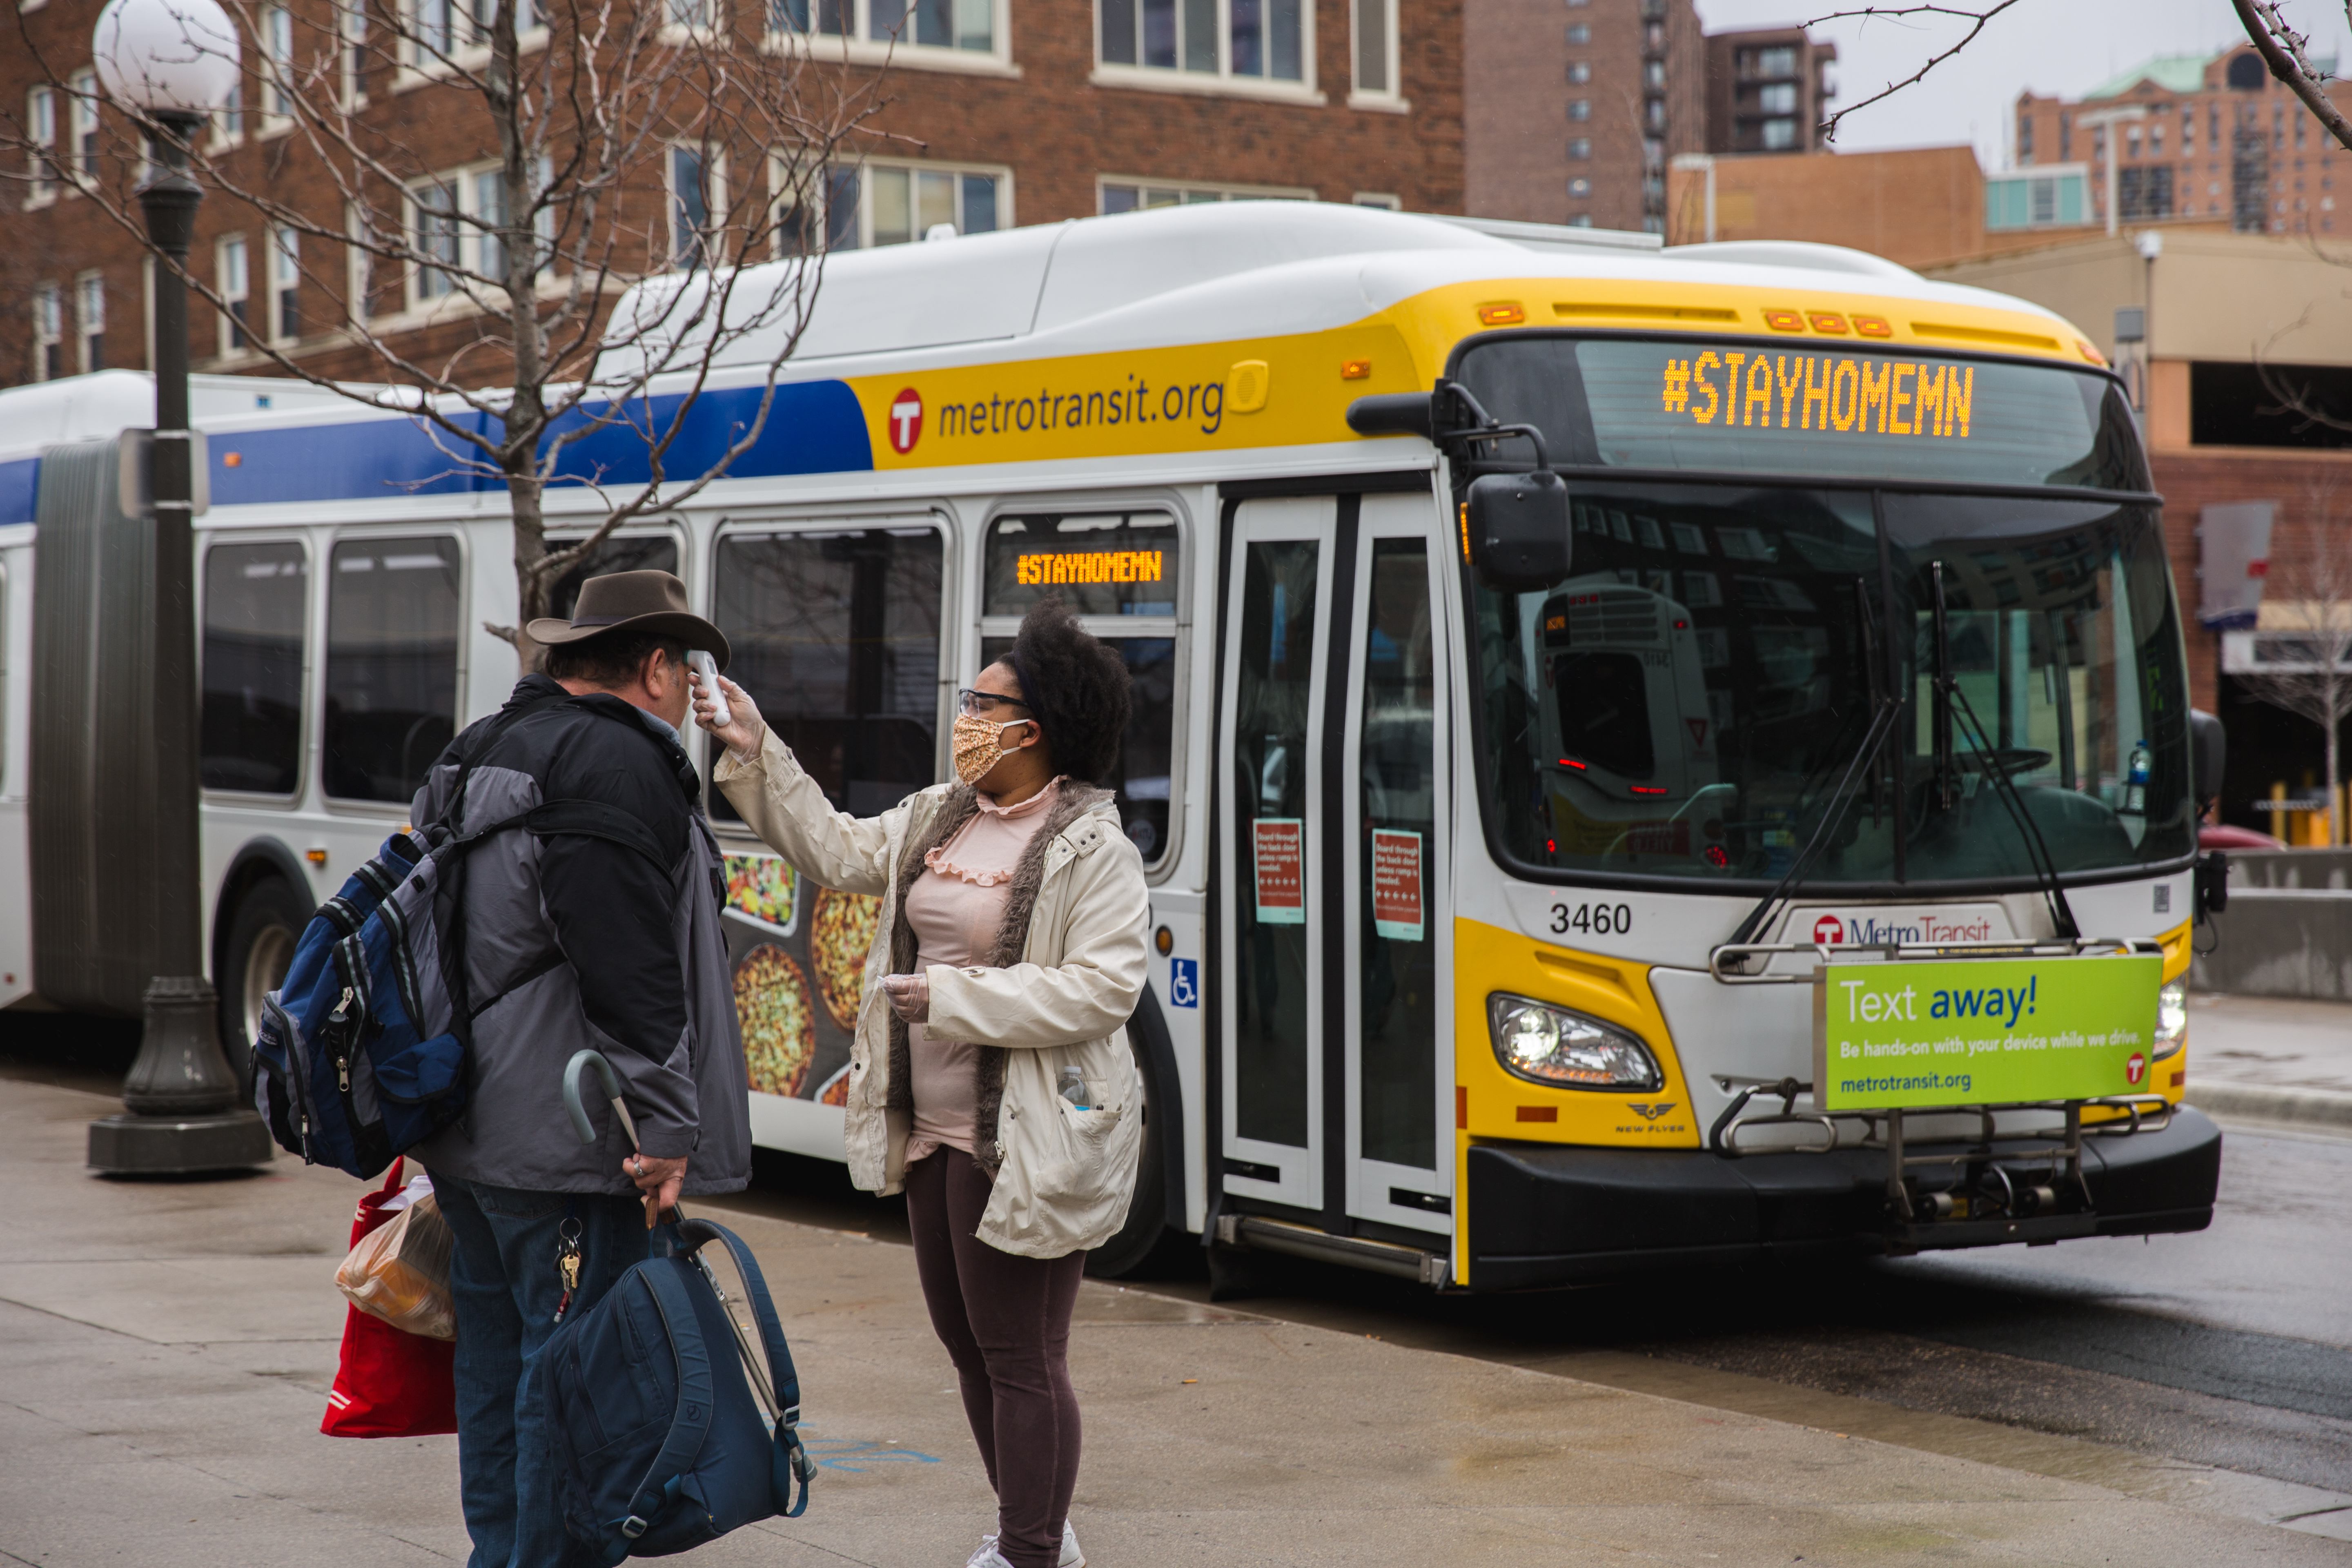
x,y
2027,1215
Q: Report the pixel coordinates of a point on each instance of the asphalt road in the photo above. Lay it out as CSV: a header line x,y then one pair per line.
x,y
2232,1347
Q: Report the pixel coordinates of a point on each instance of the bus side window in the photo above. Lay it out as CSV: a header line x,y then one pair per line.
x,y
393,608
624,553
836,636
256,615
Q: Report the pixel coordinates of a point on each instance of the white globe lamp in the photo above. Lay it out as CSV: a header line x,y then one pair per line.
x,y
167,57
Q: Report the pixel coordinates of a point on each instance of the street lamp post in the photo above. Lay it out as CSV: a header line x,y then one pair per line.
x,y
169,62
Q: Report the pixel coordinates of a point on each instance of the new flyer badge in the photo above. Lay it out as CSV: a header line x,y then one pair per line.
x,y
1279,846
1990,1031
1396,885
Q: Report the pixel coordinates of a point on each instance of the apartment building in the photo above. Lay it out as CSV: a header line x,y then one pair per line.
x,y
2211,137
1768,91
998,112
1572,111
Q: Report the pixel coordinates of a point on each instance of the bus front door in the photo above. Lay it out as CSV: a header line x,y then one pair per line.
x,y
1331,877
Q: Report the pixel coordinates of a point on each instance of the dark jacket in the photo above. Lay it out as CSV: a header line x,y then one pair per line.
x,y
574,939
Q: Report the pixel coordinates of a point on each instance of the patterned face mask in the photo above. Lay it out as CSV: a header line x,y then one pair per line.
x,y
978,743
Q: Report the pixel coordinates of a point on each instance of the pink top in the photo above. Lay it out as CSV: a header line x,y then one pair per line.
x,y
956,911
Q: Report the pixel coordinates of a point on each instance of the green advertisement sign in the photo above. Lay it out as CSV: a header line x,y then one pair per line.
x,y
1984,1031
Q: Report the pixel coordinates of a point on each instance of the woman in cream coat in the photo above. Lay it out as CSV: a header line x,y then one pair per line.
x,y
989,1077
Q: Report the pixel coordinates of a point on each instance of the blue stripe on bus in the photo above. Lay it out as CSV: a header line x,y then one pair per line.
x,y
812,427
20,488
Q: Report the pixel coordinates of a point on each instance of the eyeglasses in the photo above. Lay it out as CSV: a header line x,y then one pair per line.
x,y
972,703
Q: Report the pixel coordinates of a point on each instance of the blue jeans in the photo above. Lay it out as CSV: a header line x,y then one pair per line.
x,y
503,1277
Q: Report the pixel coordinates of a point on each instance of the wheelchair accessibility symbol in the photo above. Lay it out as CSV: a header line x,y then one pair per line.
x,y
1184,982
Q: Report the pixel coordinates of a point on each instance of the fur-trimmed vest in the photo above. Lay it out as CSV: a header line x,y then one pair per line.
x,y
959,806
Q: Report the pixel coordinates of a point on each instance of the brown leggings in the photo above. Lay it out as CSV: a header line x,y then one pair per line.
x,y
1005,1321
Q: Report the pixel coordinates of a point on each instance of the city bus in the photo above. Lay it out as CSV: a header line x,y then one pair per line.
x,y
1494,895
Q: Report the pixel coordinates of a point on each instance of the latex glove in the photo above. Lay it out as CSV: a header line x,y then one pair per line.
x,y
744,729
910,997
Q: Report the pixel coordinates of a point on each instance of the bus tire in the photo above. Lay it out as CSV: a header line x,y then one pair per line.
x,y
262,931
1138,1248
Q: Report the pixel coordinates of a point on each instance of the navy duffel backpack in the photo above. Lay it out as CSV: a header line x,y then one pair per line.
x,y
660,1442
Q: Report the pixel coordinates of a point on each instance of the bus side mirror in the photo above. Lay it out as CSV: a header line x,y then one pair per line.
x,y
1393,413
1515,529
2209,755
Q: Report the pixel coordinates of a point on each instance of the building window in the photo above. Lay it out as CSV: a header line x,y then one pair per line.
x,y
1653,75
1579,149
1780,98
694,194
228,120
896,204
89,310
2060,197
812,209
1780,135
1775,62
438,30
1121,195
49,332
1654,114
84,88
1580,220
1384,200
1264,40
351,17
41,152
285,285
1580,71
1579,187
433,220
277,46
1376,49
970,27
232,278
1580,109
2025,138
1578,34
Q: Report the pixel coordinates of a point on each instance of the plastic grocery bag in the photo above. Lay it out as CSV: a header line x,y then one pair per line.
x,y
400,1272
390,1383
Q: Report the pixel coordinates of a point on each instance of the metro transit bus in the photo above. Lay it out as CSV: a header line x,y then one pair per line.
x,y
1491,913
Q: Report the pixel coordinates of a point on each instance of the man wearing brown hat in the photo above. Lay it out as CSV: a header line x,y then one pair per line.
x,y
592,921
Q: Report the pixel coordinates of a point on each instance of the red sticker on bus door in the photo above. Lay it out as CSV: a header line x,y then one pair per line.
x,y
1396,885
1280,843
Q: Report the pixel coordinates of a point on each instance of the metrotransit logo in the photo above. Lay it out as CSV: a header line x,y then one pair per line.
x,y
905,421
1913,928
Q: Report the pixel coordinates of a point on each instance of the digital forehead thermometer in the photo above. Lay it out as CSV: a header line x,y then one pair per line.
x,y
709,668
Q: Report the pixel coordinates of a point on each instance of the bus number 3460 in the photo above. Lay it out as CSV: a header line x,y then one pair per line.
x,y
1600,920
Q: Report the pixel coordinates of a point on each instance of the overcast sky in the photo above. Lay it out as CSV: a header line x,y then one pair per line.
x,y
2063,46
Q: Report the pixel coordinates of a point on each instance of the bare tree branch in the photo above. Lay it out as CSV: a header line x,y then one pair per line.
x,y
1976,18
2309,608
2282,49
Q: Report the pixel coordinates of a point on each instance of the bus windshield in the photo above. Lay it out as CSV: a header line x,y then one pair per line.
x,y
1686,703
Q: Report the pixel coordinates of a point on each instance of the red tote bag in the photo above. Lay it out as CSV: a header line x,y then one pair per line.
x,y
391,1384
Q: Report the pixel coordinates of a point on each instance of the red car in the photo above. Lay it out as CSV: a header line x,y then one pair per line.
x,y
2226,836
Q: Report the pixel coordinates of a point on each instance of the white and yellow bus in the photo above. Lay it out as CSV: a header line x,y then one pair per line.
x,y
1492,846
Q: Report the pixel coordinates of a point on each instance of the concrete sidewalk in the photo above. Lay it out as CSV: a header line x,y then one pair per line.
x,y
2271,1059
165,1352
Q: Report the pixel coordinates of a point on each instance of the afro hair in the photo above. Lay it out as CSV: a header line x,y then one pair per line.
x,y
1076,685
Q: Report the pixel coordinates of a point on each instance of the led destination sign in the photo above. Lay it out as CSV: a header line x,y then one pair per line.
x,y
1867,394
1041,569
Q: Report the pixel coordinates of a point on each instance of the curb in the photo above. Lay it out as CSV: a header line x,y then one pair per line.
x,y
2319,1108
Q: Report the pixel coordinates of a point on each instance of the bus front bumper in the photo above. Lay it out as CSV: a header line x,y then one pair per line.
x,y
1548,1213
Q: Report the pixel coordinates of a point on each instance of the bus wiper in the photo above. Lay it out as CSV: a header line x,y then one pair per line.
x,y
1866,760
1951,704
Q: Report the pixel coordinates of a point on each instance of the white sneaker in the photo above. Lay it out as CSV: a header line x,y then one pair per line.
x,y
987,1556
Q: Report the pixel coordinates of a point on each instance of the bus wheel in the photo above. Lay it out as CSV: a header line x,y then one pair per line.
x,y
267,920
1145,1246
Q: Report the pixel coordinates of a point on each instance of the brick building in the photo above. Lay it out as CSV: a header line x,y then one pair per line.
x,y
1015,112
2194,136
1768,91
2218,437
1571,114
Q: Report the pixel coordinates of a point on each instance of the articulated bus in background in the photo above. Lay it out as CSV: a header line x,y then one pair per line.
x,y
1512,924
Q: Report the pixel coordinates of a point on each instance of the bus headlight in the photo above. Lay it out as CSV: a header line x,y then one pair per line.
x,y
2171,1020
1545,1043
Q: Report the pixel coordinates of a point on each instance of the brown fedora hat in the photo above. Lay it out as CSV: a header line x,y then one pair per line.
x,y
636,602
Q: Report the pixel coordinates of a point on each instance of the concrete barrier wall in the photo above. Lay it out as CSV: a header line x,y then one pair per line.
x,y
2278,941
2290,868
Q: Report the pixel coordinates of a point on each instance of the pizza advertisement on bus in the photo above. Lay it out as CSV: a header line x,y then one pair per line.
x,y
798,952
